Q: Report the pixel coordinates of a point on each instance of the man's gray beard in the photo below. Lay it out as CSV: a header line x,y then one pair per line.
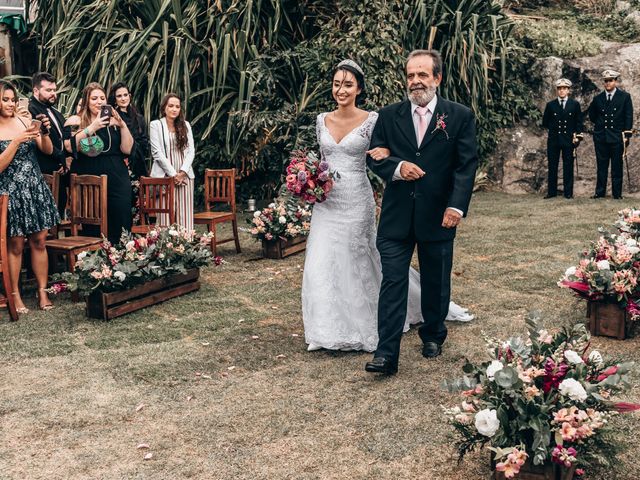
x,y
422,97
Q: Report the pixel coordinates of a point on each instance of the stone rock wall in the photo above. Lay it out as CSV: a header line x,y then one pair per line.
x,y
519,164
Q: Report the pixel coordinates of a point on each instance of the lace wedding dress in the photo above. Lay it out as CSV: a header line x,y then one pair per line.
x,y
342,271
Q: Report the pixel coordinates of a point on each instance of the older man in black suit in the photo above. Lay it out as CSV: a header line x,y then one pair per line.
x,y
611,112
563,118
429,181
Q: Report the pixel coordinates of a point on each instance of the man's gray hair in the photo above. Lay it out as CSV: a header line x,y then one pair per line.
x,y
435,56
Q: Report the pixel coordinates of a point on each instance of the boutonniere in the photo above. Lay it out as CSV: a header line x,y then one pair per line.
x,y
441,124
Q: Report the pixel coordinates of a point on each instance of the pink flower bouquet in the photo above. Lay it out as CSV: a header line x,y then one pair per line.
x,y
309,177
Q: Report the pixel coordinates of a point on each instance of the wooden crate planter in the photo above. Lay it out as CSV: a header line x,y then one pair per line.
x,y
283,247
110,305
529,471
608,320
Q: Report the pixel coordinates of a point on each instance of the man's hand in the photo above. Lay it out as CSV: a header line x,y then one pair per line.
x,y
379,153
451,218
410,171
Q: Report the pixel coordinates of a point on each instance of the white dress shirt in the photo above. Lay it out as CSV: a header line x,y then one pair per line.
x,y
431,107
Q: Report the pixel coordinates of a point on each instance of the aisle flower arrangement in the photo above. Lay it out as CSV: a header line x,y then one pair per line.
x,y
283,218
608,271
542,399
308,177
136,260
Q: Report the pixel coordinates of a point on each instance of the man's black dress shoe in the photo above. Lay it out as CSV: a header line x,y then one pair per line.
x,y
549,196
381,365
431,350
597,196
568,197
618,198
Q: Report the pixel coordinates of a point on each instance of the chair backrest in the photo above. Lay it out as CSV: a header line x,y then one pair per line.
x,y
157,200
220,187
88,202
53,182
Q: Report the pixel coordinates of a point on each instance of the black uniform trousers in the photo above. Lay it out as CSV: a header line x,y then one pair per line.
x,y
553,155
436,260
609,153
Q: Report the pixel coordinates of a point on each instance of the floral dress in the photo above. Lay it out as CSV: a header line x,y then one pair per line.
x,y
31,205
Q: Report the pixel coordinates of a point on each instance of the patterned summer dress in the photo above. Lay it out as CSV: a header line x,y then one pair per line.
x,y
31,205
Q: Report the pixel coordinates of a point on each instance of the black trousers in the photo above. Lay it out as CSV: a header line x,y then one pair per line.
x,y
609,153
553,155
436,259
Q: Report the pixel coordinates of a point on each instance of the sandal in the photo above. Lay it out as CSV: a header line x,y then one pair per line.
x,y
45,307
21,310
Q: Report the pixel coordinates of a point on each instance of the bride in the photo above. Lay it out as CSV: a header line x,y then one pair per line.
x,y
342,271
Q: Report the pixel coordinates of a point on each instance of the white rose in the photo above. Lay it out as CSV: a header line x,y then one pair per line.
x,y
173,232
120,275
282,220
257,214
603,265
631,242
596,358
81,255
487,422
633,250
573,389
494,366
130,244
570,271
272,205
573,357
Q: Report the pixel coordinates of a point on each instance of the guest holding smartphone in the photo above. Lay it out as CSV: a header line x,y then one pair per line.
x,y
32,211
102,142
42,102
173,151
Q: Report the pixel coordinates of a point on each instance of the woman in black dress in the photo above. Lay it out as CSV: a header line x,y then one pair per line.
x,y
101,144
32,210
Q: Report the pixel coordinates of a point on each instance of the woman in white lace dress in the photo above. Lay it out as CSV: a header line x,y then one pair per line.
x,y
342,272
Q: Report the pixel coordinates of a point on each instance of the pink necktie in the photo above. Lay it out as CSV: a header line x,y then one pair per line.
x,y
422,122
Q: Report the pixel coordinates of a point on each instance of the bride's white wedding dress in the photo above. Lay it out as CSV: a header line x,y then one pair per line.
x,y
342,269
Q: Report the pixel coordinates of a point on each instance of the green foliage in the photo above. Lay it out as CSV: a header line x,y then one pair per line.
x,y
255,73
561,38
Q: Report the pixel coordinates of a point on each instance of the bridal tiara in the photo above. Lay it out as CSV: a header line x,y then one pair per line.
x,y
351,64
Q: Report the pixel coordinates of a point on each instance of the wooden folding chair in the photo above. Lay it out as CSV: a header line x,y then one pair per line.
x,y
88,207
219,188
7,300
157,199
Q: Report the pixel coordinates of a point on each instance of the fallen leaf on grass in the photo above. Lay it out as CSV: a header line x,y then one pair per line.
x,y
255,337
205,344
142,445
198,374
241,320
140,407
206,376
148,456
274,307
224,374
295,335
281,356
231,367
189,398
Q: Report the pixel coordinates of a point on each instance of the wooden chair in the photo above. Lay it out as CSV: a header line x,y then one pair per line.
x,y
53,182
88,207
157,199
219,187
6,300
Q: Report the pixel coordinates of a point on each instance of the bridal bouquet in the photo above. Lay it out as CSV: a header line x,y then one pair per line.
x,y
542,399
608,271
308,177
136,260
282,218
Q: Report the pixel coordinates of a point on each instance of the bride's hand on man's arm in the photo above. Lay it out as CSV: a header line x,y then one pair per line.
x,y
379,153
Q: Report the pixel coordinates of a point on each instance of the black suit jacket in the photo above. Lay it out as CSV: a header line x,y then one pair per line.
x,y
50,163
562,124
609,121
448,157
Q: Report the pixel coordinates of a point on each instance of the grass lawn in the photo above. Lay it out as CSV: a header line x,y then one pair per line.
x,y
220,386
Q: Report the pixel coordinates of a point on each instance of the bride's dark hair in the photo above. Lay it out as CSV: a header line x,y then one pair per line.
x,y
361,97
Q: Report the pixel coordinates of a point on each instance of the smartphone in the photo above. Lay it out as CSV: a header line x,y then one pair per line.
x,y
36,124
24,103
106,111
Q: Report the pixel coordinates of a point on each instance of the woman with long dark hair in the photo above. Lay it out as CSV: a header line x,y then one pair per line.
x,y
173,151
32,210
102,143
